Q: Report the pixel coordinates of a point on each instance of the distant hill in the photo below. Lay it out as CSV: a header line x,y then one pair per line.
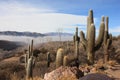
x,y
56,34
10,45
33,34
15,33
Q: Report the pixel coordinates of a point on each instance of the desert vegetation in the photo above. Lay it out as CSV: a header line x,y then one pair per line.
x,y
85,58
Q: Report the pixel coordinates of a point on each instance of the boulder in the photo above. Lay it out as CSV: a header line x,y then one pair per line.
x,y
64,73
96,76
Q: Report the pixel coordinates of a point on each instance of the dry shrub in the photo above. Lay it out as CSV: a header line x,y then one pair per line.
x,y
22,59
8,69
43,50
4,75
67,78
14,77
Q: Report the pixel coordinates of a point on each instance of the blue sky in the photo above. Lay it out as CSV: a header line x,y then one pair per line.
x,y
50,15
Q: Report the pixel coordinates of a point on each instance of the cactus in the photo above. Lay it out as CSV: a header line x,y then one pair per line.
x,y
29,62
65,61
29,68
107,41
32,48
25,57
59,57
89,43
29,51
76,40
48,59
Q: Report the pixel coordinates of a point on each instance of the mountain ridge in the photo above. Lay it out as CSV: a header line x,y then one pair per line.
x,y
33,34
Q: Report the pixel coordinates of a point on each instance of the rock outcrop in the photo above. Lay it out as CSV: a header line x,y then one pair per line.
x,y
64,73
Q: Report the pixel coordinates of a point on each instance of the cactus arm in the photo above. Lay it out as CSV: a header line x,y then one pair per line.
x,y
88,24
74,39
32,48
106,24
29,51
100,36
90,21
83,40
83,46
110,37
26,60
91,43
108,43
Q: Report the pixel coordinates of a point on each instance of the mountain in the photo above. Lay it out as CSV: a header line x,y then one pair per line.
x,y
15,33
33,34
57,34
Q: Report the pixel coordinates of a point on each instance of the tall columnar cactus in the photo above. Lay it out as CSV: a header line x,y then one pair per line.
x,y
107,41
76,40
59,57
32,48
48,59
29,69
29,62
89,43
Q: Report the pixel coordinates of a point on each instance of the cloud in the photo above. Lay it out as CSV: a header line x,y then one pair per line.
x,y
114,29
21,17
15,8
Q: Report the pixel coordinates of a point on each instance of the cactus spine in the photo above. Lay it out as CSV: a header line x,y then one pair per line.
x,y
29,62
59,57
89,43
107,41
76,40
48,59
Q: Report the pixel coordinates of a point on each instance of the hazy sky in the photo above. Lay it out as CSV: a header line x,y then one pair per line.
x,y
49,15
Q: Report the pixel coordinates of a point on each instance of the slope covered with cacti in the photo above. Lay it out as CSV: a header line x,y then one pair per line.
x,y
82,56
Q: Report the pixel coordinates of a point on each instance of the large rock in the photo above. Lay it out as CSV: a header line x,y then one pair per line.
x,y
64,73
95,76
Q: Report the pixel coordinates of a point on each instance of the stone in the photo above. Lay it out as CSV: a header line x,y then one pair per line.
x,y
64,73
96,76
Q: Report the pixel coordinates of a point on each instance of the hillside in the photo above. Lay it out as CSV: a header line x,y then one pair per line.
x,y
9,45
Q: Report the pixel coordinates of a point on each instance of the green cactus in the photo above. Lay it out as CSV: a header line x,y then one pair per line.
x,y
32,48
25,57
29,69
29,51
76,37
48,59
89,43
29,62
76,40
59,57
65,61
107,41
